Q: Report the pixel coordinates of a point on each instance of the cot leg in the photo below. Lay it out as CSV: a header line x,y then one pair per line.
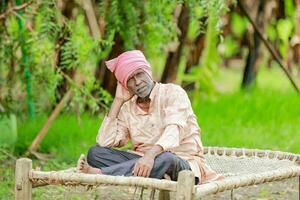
x,y
185,185
164,195
23,185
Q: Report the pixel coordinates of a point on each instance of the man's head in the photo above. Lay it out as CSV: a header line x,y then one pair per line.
x,y
131,67
140,83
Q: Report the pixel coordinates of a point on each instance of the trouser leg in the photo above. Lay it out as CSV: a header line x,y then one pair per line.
x,y
100,157
165,163
168,163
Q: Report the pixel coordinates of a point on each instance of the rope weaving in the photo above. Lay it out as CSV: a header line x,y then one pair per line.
x,y
245,167
235,166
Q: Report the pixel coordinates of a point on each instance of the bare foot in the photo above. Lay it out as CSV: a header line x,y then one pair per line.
x,y
84,167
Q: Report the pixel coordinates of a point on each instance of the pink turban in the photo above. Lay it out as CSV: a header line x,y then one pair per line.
x,y
126,63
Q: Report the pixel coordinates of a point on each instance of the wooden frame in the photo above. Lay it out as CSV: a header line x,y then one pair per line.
x,y
27,178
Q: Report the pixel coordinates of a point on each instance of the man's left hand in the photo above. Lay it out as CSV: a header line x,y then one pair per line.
x,y
143,166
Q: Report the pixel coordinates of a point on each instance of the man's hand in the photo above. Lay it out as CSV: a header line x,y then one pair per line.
x,y
122,94
143,166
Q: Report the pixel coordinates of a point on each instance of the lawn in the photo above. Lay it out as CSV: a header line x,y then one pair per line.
x,y
267,117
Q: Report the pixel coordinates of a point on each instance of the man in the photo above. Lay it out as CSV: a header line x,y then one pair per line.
x,y
159,120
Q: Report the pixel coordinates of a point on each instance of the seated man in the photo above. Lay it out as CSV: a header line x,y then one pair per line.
x,y
159,120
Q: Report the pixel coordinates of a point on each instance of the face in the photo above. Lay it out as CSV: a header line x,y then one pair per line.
x,y
140,83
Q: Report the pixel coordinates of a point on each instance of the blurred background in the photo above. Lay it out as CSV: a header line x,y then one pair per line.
x,y
55,88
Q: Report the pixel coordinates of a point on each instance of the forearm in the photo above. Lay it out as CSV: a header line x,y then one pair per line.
x,y
115,108
113,131
154,151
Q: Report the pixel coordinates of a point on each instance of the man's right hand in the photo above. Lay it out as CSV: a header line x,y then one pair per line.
x,y
122,94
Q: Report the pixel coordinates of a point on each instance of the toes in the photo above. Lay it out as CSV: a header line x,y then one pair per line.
x,y
82,157
81,162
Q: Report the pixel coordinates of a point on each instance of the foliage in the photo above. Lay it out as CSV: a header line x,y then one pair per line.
x,y
288,24
140,24
56,44
239,24
53,40
203,74
7,162
159,28
229,45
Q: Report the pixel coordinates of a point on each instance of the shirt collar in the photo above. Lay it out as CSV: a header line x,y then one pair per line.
x,y
154,91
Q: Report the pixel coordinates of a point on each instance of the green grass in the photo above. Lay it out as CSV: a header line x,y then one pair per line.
x,y
66,139
266,117
261,119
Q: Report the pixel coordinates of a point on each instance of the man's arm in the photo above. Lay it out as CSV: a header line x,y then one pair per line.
x,y
115,108
122,95
154,151
114,131
145,164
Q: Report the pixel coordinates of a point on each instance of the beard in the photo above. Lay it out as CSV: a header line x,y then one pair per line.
x,y
144,92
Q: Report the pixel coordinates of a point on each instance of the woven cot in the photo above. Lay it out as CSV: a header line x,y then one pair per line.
x,y
241,167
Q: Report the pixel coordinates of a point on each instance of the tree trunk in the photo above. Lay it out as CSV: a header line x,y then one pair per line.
x,y
67,8
195,52
92,19
250,70
109,80
172,64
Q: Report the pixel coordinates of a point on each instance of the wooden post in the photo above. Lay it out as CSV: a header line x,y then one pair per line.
x,y
185,185
23,185
164,195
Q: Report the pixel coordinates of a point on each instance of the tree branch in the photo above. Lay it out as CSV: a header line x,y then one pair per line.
x,y
268,45
15,8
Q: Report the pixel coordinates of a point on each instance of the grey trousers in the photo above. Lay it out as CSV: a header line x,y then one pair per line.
x,y
121,163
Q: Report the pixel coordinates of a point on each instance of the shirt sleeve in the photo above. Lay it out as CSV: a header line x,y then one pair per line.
x,y
113,132
170,138
176,112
